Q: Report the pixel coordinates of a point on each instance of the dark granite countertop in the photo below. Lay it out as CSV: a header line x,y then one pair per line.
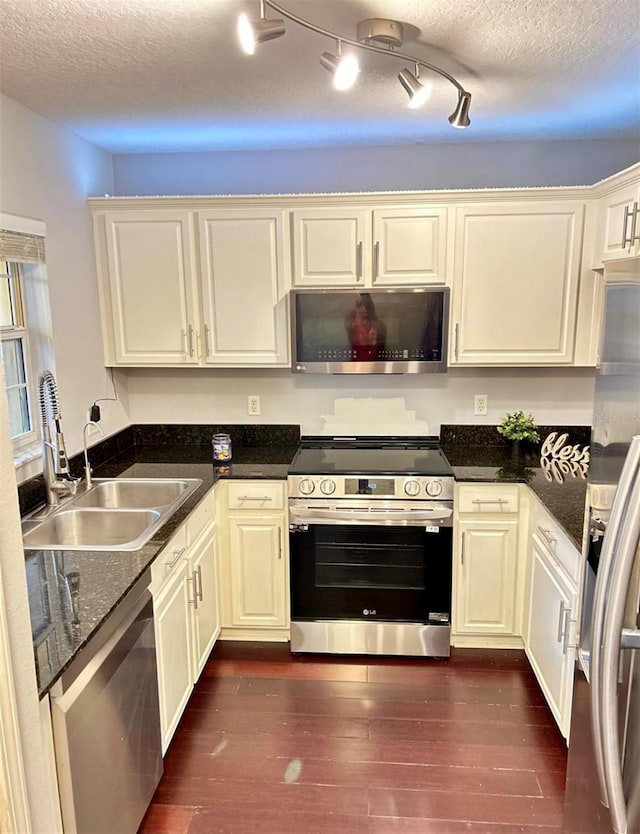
x,y
103,578
565,500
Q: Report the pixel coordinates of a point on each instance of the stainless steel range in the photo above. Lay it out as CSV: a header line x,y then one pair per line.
x,y
370,522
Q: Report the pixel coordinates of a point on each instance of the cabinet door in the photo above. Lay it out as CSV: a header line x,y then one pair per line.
x,y
619,223
258,571
172,619
550,633
244,288
152,287
486,577
331,247
206,619
515,285
409,246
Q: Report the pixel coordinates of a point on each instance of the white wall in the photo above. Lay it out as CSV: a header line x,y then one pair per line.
x,y
47,174
406,167
554,396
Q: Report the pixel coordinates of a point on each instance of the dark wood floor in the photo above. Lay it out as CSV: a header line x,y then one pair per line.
x,y
271,744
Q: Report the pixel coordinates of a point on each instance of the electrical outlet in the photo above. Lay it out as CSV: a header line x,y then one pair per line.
x,y
480,404
253,405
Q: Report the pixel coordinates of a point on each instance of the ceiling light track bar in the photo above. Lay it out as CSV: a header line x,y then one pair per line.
x,y
276,7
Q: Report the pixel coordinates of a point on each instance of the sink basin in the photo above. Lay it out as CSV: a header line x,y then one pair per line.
x,y
114,514
92,530
133,493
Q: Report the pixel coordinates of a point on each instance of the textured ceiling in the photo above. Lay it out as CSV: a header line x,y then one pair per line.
x,y
153,75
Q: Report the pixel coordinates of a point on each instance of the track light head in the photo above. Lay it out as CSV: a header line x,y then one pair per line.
x,y
417,91
254,32
460,116
345,69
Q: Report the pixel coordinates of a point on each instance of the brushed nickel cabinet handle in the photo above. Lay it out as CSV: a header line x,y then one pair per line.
x,y
190,339
561,614
462,550
206,341
376,260
628,212
255,498
634,236
499,501
455,348
198,584
359,261
176,558
194,601
546,535
279,542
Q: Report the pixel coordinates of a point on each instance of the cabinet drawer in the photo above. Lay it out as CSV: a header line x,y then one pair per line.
x,y
203,514
555,541
488,498
253,495
169,559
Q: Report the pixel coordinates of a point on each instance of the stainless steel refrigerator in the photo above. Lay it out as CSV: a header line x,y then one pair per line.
x,y
603,770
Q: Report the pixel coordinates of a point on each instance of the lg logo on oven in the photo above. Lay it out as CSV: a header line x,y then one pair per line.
x,y
369,612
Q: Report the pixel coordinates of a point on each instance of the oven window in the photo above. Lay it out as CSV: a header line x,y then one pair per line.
x,y
366,557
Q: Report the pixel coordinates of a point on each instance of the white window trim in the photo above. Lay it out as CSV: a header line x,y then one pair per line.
x,y
27,448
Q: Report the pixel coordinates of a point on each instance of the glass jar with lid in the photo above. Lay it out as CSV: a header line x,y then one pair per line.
x,y
221,443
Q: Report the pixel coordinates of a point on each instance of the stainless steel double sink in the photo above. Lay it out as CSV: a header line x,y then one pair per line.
x,y
113,514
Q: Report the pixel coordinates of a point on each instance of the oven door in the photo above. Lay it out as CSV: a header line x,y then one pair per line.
x,y
374,564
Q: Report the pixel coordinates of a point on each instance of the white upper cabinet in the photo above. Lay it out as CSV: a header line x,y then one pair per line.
x,y
353,247
331,247
149,290
409,246
245,307
619,224
515,283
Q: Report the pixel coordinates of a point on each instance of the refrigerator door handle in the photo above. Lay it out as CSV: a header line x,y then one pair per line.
x,y
630,638
600,603
612,637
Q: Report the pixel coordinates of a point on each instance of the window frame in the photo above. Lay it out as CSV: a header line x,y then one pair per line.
x,y
19,331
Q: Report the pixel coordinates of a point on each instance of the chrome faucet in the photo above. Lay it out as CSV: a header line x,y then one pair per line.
x,y
58,480
87,468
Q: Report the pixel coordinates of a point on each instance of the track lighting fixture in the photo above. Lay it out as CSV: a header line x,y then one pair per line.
x,y
254,32
345,68
374,35
418,92
460,116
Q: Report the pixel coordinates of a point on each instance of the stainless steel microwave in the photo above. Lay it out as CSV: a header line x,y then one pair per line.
x,y
395,331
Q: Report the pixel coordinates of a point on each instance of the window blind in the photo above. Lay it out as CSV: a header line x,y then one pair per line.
x,y
21,248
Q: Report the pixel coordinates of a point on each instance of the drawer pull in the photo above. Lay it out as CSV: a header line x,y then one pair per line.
x,y
256,498
176,558
499,501
546,535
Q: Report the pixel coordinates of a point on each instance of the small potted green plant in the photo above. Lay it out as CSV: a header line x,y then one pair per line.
x,y
520,429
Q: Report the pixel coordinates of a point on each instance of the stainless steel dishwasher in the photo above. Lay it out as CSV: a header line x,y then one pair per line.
x,y
106,724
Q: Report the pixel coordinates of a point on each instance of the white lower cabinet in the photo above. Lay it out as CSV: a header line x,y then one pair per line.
x,y
487,578
550,633
486,586
173,627
186,615
254,566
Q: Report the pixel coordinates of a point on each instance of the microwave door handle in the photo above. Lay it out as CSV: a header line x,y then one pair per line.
x,y
612,638
601,593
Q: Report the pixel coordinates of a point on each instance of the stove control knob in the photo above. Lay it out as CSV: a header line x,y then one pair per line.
x,y
328,487
412,488
434,488
306,486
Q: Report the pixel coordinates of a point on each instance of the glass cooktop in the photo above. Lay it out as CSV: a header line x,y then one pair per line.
x,y
370,457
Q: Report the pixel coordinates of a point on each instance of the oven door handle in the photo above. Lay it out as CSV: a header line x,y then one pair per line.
x,y
386,516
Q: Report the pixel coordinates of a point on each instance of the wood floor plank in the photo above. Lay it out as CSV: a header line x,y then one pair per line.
x,y
194,746
297,671
167,819
385,825
371,708
427,674
464,807
229,818
256,796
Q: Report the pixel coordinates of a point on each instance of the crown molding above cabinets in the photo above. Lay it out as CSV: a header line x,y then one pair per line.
x,y
203,281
